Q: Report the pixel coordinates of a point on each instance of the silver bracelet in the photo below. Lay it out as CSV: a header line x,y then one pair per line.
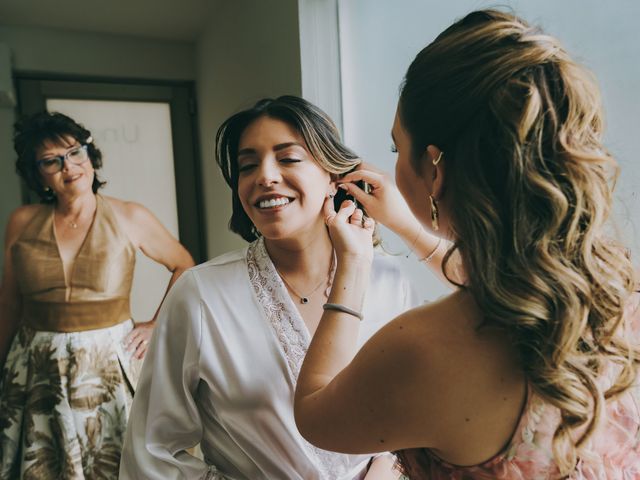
x,y
341,308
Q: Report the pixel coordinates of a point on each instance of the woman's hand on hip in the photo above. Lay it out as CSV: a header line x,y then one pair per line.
x,y
138,339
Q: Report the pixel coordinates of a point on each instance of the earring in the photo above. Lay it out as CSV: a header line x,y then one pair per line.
x,y
434,214
436,161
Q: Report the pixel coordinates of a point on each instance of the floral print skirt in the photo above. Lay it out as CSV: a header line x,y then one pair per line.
x,y
64,403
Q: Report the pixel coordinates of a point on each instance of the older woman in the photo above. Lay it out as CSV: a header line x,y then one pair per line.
x,y
530,368
72,367
231,336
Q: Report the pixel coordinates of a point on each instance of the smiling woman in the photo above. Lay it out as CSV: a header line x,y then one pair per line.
x,y
233,331
280,186
72,351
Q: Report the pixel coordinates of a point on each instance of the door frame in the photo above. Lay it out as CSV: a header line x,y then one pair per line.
x,y
33,90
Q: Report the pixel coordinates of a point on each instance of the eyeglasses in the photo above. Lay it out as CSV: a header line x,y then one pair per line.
x,y
51,165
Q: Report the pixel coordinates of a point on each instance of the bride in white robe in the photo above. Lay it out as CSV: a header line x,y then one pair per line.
x,y
232,333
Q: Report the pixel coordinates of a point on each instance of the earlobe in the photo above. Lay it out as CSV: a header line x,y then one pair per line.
x,y
333,185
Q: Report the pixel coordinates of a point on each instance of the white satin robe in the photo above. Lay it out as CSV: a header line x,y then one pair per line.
x,y
221,371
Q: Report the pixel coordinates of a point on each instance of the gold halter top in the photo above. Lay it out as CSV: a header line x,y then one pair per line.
x,y
99,284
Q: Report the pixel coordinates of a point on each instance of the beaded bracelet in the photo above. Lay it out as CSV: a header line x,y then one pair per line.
x,y
341,308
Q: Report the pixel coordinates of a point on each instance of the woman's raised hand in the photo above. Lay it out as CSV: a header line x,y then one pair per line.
x,y
350,231
383,203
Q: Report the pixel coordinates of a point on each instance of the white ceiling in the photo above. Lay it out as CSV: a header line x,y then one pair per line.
x,y
180,20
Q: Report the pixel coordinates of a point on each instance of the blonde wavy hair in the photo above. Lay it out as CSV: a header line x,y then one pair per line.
x,y
529,191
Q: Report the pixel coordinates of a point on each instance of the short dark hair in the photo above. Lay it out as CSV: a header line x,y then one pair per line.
x,y
32,132
319,132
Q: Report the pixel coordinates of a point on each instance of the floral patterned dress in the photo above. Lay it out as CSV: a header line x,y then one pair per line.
x,y
613,452
67,384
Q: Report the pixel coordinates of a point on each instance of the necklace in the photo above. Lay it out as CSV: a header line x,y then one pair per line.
x,y
73,223
304,299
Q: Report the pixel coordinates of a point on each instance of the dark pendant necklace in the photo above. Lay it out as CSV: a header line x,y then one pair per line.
x,y
304,299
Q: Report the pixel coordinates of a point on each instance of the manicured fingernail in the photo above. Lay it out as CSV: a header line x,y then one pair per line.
x,y
343,186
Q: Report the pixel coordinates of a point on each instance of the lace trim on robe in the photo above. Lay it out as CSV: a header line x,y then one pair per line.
x,y
293,336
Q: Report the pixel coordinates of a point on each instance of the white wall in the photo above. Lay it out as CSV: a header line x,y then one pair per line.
x,y
83,53
320,56
250,50
380,39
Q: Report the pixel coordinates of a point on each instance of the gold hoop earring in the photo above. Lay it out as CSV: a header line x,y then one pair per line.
x,y
434,214
436,161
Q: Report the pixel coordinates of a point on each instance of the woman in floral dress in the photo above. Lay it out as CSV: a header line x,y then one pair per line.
x,y
69,348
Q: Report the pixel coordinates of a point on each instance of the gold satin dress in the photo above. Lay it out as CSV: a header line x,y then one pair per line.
x,y
67,384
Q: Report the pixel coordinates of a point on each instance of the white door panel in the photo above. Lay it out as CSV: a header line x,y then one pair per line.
x,y
137,155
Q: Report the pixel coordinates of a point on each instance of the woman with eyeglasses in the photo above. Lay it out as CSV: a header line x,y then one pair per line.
x,y
70,351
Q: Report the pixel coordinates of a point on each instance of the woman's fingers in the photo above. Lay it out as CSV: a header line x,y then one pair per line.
x,y
368,223
131,340
328,209
375,179
141,349
356,217
356,192
346,210
140,342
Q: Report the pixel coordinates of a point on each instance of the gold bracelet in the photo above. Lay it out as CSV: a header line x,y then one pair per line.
x,y
428,258
415,240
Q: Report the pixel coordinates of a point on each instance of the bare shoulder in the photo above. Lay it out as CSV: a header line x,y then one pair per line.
x,y
421,341
470,377
452,318
447,335
133,215
124,207
19,219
